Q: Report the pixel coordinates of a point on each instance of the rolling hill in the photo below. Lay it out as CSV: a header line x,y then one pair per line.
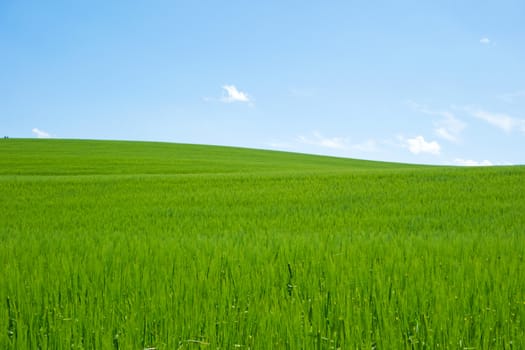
x,y
140,245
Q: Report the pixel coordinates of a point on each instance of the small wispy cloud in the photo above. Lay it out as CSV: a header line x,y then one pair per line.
x,y
419,145
469,162
335,145
444,133
369,145
326,142
232,94
499,120
484,41
282,145
449,127
41,134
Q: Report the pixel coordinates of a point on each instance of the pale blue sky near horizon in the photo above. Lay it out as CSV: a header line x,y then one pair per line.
x,y
433,82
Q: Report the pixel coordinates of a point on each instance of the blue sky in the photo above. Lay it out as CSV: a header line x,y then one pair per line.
x,y
439,82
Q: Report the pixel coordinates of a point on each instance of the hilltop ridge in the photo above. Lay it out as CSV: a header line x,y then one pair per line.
x,y
90,157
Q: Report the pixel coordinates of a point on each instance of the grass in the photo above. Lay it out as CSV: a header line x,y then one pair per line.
x,y
130,245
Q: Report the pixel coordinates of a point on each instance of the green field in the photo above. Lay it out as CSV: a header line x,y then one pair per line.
x,y
135,245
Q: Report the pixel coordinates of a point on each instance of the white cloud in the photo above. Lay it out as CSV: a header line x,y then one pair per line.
x,y
234,95
484,41
418,145
326,142
331,145
369,145
445,134
281,145
499,120
40,133
469,162
448,127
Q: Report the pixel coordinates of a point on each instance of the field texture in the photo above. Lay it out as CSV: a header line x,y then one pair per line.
x,y
123,245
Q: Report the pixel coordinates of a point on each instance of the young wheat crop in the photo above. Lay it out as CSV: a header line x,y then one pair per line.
x,y
108,245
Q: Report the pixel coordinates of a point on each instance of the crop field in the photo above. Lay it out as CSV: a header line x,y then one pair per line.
x,y
136,245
